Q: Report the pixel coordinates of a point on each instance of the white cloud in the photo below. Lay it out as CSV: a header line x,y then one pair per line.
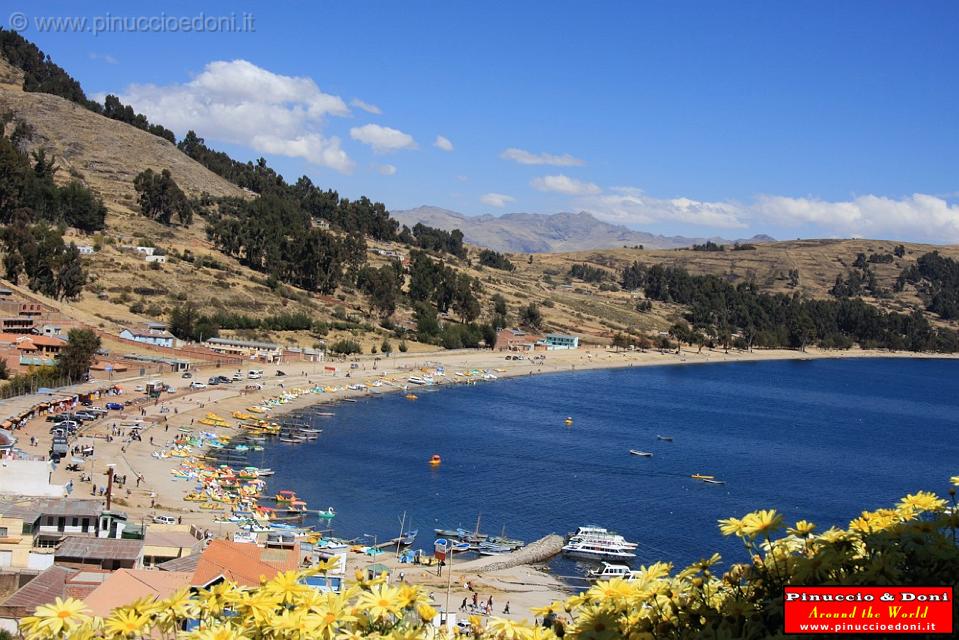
x,y
104,57
443,143
386,170
365,106
920,215
382,139
240,103
628,205
497,199
564,184
311,147
525,157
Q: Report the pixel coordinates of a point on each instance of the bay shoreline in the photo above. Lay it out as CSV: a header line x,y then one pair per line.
x,y
527,586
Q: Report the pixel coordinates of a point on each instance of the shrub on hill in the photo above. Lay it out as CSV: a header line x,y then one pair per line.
x,y
495,260
937,280
720,309
160,197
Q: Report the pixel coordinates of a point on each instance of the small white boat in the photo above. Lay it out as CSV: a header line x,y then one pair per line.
x,y
609,571
641,454
713,481
665,438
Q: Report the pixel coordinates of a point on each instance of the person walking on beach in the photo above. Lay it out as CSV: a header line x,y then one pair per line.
x,y
463,606
475,600
489,603
506,608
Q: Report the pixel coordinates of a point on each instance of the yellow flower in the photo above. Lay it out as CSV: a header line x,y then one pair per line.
x,y
616,590
595,624
762,522
126,622
803,529
223,632
381,601
954,480
875,521
705,563
732,527
426,612
258,605
332,612
503,629
214,599
923,501
287,621
54,618
552,607
285,586
411,595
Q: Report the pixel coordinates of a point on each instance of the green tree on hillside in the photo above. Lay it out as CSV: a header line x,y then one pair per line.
x,y
77,357
531,316
160,197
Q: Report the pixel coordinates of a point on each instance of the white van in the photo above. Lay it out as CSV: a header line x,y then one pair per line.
x,y
255,374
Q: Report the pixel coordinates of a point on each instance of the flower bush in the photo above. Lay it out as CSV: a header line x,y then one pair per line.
x,y
912,543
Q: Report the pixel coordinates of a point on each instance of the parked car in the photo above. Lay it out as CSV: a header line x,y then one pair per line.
x,y
170,389
212,381
164,519
115,406
187,374
85,415
223,380
196,384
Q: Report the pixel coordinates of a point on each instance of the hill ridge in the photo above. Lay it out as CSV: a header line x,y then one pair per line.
x,y
523,232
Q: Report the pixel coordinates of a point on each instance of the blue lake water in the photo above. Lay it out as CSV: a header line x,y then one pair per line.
x,y
819,440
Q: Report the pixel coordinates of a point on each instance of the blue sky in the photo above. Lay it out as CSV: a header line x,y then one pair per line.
x,y
794,119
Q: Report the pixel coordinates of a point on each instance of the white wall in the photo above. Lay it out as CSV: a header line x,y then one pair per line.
x,y
41,561
29,478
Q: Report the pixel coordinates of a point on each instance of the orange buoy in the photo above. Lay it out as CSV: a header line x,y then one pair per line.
x,y
436,459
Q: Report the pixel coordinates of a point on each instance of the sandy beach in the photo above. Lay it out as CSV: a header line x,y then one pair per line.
x,y
160,493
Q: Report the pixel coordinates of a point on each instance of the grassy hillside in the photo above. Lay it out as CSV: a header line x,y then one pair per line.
x,y
106,154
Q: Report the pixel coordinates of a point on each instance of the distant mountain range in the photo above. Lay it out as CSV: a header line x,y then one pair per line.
x,y
547,233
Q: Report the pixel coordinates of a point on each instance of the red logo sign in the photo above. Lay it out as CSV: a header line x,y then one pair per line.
x,y
886,610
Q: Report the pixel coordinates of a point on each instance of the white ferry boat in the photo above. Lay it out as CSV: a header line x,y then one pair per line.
x,y
597,543
599,534
609,571
598,550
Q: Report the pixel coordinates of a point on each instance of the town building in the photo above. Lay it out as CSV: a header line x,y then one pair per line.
x,y
26,478
51,330
162,543
306,354
251,349
150,334
558,341
33,350
242,563
110,554
125,586
515,340
52,583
